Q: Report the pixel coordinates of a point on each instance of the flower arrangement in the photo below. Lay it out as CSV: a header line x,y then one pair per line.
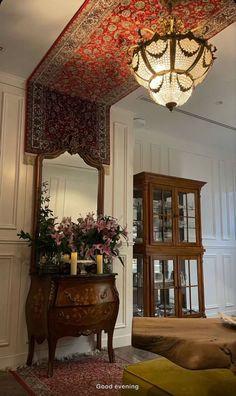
x,y
102,236
89,236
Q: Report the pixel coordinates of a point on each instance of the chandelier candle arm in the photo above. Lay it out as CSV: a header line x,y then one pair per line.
x,y
170,65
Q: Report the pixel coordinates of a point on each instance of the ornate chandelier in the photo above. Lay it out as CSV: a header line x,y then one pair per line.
x,y
172,64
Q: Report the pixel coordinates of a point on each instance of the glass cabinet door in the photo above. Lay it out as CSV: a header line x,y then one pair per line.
x,y
188,286
162,215
138,297
164,287
138,216
186,217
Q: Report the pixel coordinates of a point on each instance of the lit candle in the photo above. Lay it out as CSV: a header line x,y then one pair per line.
x,y
66,258
73,263
99,261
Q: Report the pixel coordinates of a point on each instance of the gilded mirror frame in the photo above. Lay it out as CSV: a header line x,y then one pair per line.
x,y
38,185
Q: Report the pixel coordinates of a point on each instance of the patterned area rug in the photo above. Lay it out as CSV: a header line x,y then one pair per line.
x,y
78,376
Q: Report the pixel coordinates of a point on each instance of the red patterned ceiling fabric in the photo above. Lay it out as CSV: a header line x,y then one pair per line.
x,y
89,60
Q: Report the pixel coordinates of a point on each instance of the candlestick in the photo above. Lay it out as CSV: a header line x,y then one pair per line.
x,y
73,263
99,261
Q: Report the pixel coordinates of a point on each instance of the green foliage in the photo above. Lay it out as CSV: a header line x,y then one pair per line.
x,y
89,236
43,241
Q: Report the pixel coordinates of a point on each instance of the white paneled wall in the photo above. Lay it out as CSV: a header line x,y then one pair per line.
x,y
118,203
15,213
161,153
16,192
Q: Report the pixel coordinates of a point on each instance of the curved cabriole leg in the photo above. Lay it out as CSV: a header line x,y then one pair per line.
x,y
110,347
30,350
52,343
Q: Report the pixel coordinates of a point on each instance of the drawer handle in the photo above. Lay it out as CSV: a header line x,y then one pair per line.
x,y
103,295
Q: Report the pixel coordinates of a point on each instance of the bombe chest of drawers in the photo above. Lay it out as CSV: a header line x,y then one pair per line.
x,y
59,306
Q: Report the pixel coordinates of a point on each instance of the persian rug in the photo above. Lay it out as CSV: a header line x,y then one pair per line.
x,y
87,375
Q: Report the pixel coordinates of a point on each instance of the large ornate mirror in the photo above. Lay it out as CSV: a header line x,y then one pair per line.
x,y
75,186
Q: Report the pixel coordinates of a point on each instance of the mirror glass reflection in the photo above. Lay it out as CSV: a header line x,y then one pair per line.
x,y
72,186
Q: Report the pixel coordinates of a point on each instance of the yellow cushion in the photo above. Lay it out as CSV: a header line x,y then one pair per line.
x,y
160,377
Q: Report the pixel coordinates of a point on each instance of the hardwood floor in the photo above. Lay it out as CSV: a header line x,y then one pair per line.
x,y
10,387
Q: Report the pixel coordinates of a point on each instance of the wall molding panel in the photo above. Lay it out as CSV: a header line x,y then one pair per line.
x,y
118,203
119,172
138,157
229,281
185,158
155,158
6,264
12,108
16,188
224,203
226,199
121,270
210,281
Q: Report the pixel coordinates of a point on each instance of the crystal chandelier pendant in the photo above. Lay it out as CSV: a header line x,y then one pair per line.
x,y
171,65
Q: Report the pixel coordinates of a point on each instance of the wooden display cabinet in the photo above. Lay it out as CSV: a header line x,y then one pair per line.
x,y
168,251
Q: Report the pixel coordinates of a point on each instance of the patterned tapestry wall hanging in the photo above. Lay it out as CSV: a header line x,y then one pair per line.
x,y
58,121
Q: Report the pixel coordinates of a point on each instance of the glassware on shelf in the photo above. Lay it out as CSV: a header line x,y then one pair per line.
x,y
138,296
138,311
182,279
164,310
138,216
138,231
